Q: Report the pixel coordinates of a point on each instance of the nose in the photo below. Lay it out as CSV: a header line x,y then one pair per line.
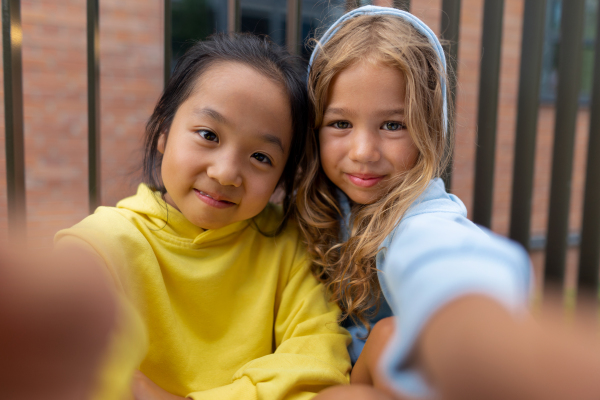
x,y
364,147
226,170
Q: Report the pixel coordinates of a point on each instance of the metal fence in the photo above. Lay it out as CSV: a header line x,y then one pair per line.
x,y
569,78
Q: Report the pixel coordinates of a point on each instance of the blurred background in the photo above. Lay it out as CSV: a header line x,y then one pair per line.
x,y
132,70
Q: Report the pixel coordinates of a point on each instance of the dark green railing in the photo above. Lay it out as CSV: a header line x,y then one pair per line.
x,y
567,105
93,79
527,118
526,126
12,40
489,74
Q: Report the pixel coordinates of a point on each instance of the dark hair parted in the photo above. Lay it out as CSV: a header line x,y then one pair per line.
x,y
254,51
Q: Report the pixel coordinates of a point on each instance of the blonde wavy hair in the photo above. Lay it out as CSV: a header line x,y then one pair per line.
x,y
348,269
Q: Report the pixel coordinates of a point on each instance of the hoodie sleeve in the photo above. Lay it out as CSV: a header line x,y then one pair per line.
x,y
433,259
127,343
310,348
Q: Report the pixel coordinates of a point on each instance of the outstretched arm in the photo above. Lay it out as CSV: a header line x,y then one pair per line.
x,y
56,312
474,348
366,369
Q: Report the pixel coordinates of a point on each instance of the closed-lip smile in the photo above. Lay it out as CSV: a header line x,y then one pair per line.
x,y
364,180
214,199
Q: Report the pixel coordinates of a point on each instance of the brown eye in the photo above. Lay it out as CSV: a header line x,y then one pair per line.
x,y
262,158
208,135
393,126
341,125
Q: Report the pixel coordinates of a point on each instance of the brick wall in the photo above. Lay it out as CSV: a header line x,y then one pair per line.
x,y
466,133
54,67
55,98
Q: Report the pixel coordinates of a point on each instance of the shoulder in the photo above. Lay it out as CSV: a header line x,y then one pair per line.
x,y
271,218
289,241
107,227
435,199
435,216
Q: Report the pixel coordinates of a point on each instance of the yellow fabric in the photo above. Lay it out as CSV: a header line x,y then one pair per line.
x,y
126,348
228,313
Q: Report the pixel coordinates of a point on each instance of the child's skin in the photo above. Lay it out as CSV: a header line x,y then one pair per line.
x,y
250,112
364,141
56,314
473,348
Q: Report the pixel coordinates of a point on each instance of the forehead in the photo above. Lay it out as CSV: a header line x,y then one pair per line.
x,y
248,100
367,82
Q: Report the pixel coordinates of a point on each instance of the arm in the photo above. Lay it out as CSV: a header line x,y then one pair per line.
x,y
56,313
474,349
366,369
310,348
433,260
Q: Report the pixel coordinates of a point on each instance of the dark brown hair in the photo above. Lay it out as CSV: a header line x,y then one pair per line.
x,y
256,52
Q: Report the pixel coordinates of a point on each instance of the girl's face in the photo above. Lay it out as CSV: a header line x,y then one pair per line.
x,y
227,146
363,137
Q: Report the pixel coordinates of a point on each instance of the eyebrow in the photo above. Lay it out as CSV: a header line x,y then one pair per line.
x,y
344,112
267,137
339,111
209,112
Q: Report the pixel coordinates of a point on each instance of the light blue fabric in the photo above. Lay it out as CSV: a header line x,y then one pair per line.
x,y
419,25
435,255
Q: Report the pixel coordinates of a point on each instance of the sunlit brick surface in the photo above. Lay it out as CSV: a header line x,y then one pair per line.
x,y
55,97
131,47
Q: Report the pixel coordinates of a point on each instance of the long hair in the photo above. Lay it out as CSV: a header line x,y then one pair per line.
x,y
348,269
256,52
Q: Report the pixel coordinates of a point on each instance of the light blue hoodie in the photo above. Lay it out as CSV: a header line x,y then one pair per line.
x,y
433,256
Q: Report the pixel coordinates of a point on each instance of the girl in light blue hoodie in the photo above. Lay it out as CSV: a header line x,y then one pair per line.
x,y
384,233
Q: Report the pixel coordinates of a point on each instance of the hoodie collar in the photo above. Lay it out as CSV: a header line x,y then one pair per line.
x,y
167,220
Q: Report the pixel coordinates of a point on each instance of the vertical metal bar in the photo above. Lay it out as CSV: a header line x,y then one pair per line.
x,y
402,4
93,78
168,39
234,16
567,104
589,256
294,26
527,115
450,33
488,111
12,39
352,4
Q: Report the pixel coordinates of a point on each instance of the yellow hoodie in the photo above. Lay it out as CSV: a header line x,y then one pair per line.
x,y
227,313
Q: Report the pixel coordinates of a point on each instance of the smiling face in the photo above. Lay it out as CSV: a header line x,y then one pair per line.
x,y
363,138
227,146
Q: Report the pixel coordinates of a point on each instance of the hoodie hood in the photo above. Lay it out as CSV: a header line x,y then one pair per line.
x,y
170,223
419,25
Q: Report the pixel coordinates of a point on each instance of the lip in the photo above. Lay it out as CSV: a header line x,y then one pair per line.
x,y
365,180
214,199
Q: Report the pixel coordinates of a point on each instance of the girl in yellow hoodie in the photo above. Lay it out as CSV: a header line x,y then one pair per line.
x,y
217,300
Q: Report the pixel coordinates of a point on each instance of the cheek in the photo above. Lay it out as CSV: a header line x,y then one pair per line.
x,y
264,187
330,151
404,156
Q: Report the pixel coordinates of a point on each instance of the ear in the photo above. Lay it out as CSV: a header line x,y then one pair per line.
x,y
162,143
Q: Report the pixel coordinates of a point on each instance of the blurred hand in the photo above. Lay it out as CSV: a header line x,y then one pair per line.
x,y
56,312
145,389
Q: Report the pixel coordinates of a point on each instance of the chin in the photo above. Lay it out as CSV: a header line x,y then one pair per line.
x,y
208,225
364,198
